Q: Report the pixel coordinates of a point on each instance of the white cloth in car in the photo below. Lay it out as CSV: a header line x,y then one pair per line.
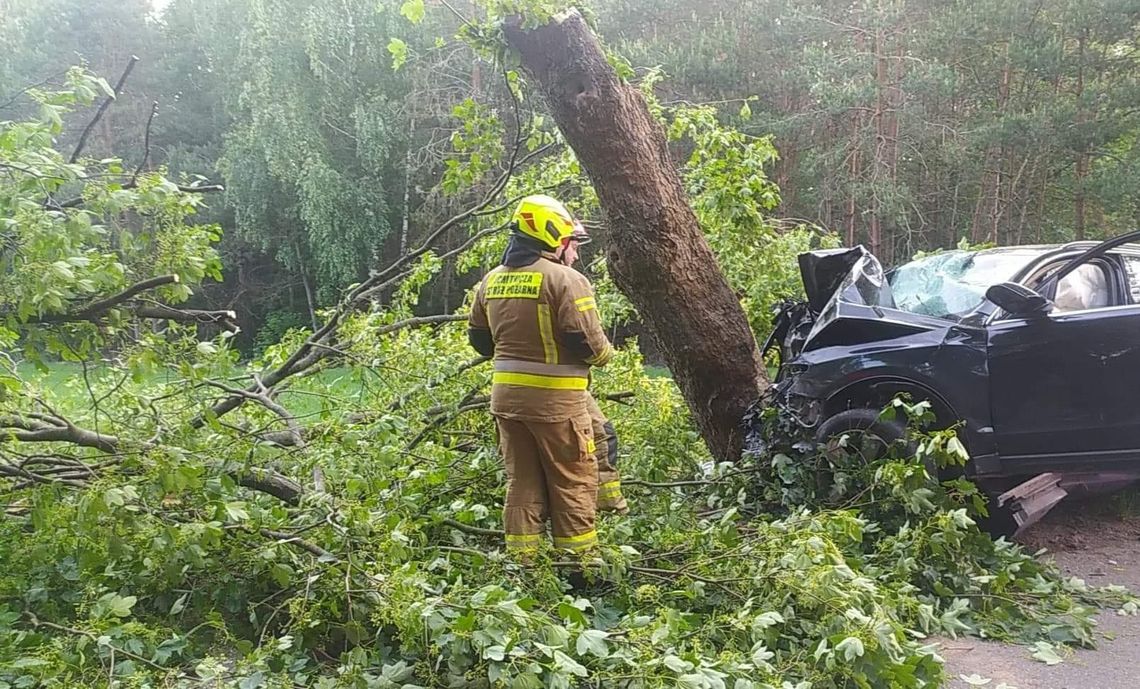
x,y
1084,288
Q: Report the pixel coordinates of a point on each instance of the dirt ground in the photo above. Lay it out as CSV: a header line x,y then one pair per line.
x,y
1092,541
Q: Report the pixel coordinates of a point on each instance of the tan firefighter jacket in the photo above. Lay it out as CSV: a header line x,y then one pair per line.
x,y
541,323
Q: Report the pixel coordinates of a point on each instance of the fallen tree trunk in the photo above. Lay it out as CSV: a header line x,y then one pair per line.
x,y
658,255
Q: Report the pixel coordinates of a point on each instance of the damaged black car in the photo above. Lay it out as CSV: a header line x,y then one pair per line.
x,y
1033,350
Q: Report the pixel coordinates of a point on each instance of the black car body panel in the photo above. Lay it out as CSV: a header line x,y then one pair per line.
x,y
1054,391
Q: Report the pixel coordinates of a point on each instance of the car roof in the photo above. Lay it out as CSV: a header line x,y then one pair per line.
x,y
1048,248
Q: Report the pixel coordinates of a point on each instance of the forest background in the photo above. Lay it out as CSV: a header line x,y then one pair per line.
x,y
906,126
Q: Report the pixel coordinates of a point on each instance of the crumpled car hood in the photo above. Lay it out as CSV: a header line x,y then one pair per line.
x,y
849,302
825,270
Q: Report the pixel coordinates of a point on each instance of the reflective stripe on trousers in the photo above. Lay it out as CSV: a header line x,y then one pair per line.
x,y
579,542
610,490
518,542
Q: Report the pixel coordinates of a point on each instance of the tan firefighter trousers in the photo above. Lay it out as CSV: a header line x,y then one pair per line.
x,y
610,498
551,473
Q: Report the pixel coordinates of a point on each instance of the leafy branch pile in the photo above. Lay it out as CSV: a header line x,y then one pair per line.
x,y
328,515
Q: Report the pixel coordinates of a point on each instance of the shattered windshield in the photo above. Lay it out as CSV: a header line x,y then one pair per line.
x,y
954,283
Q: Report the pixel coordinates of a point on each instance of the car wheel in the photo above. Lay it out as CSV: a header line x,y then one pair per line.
x,y
864,423
848,441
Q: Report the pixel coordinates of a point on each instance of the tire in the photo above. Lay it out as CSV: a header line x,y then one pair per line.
x,y
866,438
866,421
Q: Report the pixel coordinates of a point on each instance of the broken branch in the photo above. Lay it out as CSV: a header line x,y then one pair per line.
x,y
133,184
103,305
291,539
32,430
36,622
474,530
297,436
82,143
146,142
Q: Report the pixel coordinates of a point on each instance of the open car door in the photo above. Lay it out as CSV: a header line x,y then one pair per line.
x,y
1065,384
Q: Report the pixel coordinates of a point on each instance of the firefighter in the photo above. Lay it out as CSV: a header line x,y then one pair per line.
x,y
537,317
610,498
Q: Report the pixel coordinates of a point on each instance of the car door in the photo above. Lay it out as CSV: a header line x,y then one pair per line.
x,y
1066,387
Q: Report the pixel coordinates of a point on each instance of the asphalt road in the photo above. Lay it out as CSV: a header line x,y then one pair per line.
x,y
1102,548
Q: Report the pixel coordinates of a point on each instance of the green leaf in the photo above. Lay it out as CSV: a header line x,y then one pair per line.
x,y
851,648
745,111
568,664
397,672
122,606
957,449
821,650
975,680
761,655
556,636
413,11
526,680
692,681
678,665
105,87
236,511
254,681
179,605
571,613
114,497
63,270
593,641
114,604
399,51
766,619
1047,653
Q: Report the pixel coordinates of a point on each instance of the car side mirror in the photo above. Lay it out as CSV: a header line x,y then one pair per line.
x,y
1019,300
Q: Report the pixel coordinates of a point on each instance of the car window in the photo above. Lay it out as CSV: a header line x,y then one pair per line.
x,y
1084,288
1132,270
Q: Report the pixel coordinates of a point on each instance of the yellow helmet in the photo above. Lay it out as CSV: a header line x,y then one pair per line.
x,y
545,219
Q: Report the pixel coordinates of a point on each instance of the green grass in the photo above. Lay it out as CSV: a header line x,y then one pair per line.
x,y
63,382
306,397
1126,503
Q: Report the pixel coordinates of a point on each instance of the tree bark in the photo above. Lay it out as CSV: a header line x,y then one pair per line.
x,y
309,296
658,255
880,166
1082,150
988,210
